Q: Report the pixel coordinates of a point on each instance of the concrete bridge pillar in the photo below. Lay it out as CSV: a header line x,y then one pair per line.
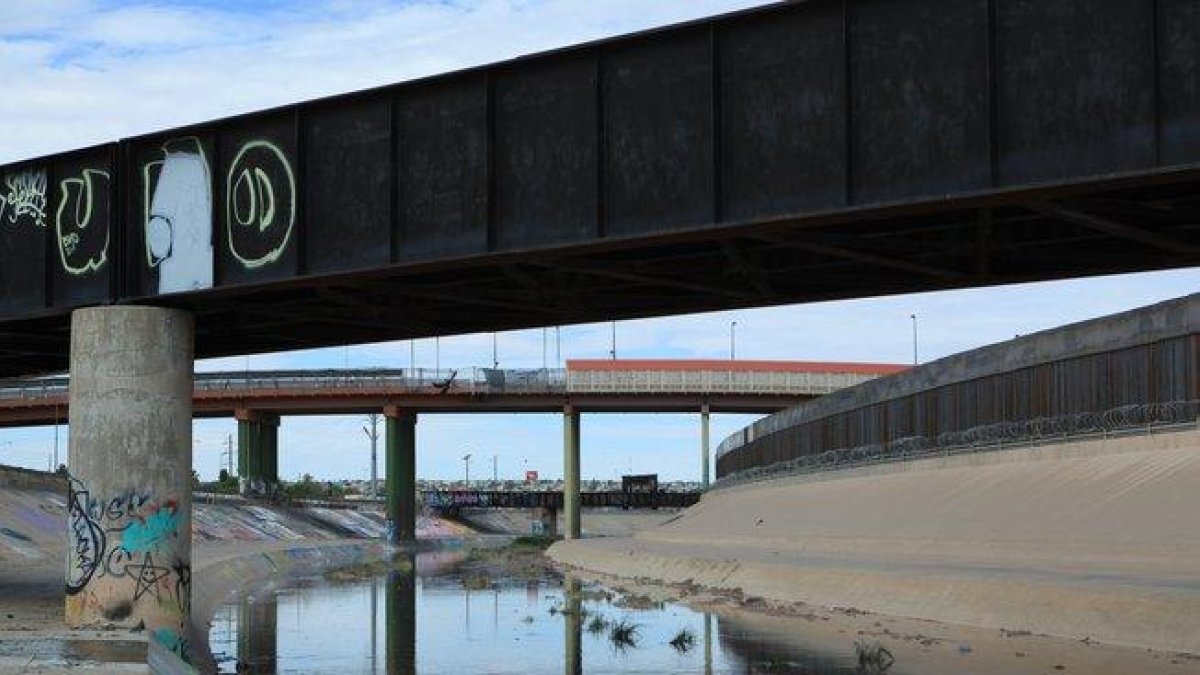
x,y
400,432
704,450
571,472
129,506
258,452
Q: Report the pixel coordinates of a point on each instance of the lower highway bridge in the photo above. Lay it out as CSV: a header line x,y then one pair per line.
x,y
258,399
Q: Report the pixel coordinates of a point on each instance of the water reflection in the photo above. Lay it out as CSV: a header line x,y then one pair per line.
x,y
428,621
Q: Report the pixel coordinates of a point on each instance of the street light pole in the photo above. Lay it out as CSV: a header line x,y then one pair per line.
x,y
467,469
495,473
732,343
495,354
914,324
373,433
613,352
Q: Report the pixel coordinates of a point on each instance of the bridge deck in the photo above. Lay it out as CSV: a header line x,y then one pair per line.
x,y
615,386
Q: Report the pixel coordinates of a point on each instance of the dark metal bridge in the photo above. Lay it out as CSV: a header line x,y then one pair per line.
x,y
803,151
453,500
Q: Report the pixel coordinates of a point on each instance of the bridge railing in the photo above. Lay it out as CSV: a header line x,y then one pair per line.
x,y
710,381
1126,420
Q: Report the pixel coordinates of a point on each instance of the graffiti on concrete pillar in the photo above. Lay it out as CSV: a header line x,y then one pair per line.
x,y
23,198
87,544
260,204
82,222
178,208
128,537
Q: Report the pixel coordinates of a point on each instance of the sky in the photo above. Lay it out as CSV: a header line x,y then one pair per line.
x,y
79,72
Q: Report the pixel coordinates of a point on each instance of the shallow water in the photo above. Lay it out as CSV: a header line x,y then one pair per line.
x,y
427,622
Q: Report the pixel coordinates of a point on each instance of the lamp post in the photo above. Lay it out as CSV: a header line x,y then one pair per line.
x,y
495,354
613,351
467,469
914,326
732,342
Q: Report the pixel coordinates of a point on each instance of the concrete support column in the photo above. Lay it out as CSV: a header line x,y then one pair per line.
x,y
258,452
129,507
400,432
571,472
704,455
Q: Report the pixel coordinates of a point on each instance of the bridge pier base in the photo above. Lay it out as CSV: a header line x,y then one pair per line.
x,y
704,449
258,452
400,432
571,473
129,506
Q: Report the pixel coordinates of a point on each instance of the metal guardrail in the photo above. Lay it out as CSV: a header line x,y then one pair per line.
x,y
1127,420
483,381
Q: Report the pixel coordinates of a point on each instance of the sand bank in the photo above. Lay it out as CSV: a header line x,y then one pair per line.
x,y
1097,540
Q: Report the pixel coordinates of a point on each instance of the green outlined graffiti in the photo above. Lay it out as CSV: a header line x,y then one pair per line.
x,y
82,214
260,204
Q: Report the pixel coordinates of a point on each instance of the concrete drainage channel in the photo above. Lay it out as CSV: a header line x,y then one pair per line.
x,y
226,578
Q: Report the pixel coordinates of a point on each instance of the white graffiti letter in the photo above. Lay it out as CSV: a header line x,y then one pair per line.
x,y
24,195
177,194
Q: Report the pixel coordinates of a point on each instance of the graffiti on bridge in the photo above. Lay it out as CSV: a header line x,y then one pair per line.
x,y
23,197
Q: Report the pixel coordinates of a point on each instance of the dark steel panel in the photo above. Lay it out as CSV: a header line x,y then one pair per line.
x,y
783,112
82,241
1075,87
1179,80
258,201
25,217
348,220
170,214
442,170
546,183
919,98
658,159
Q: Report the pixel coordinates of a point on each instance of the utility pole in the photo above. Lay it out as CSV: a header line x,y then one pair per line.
x,y
495,356
228,454
373,433
914,322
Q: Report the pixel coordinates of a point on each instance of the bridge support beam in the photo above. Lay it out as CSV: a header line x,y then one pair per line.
x,y
258,452
401,449
571,473
704,449
130,490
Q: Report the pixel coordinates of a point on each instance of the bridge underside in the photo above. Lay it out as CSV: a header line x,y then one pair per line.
x,y
797,152
1123,224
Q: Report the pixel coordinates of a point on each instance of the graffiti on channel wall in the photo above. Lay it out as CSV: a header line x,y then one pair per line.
x,y
23,198
178,208
82,222
131,537
260,204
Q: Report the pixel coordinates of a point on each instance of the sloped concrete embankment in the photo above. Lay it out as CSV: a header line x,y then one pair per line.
x,y
1095,539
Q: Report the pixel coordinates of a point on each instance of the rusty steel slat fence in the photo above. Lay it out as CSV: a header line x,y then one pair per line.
x,y
1127,420
1143,375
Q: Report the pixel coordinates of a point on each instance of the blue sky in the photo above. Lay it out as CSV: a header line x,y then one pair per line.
x,y
78,72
